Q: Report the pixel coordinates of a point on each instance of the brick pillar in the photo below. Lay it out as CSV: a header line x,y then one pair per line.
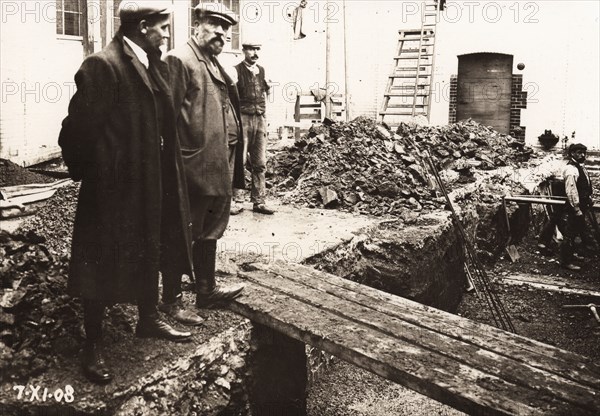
x,y
453,92
518,102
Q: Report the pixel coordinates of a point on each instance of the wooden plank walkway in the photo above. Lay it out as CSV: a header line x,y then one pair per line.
x,y
475,368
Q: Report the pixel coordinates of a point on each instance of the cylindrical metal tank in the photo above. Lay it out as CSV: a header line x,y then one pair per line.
x,y
484,89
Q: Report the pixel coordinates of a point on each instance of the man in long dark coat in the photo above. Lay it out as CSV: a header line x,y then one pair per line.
x,y
132,216
208,123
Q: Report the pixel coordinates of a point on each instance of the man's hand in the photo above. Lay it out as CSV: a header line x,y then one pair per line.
x,y
580,221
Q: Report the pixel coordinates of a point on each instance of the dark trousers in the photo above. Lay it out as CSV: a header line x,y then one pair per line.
x,y
555,215
573,226
210,218
204,254
93,314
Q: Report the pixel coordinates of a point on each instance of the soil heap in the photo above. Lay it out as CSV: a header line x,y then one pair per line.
x,y
13,174
363,167
54,221
39,319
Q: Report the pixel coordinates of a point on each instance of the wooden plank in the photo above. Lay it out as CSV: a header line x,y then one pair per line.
x,y
414,58
306,117
554,281
483,336
407,106
550,287
489,362
401,113
425,371
409,76
17,189
406,94
27,199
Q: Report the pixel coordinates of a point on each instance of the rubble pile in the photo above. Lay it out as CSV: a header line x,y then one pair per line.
x,y
54,221
12,174
363,167
39,320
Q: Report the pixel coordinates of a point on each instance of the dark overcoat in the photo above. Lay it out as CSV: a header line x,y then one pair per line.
x,y
133,206
200,93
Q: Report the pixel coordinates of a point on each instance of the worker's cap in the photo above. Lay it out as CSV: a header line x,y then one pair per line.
x,y
132,11
577,146
251,44
217,10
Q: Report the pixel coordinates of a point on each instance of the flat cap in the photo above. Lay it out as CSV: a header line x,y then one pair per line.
x,y
577,146
218,10
251,44
130,10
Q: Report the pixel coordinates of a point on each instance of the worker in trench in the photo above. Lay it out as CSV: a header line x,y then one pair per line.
x,y
209,126
578,188
132,218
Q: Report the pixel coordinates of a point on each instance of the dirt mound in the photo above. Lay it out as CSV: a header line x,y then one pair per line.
x,y
54,221
13,174
363,167
42,324
38,318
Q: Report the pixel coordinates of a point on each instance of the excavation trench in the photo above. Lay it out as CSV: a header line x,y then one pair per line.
x,y
421,259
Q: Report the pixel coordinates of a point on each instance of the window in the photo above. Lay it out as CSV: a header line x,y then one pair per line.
x,y
234,6
69,17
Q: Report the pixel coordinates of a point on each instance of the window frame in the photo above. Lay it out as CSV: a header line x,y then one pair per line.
x,y
60,19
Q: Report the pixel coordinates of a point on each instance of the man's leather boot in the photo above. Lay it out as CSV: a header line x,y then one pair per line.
x,y
208,295
182,315
172,300
93,365
151,326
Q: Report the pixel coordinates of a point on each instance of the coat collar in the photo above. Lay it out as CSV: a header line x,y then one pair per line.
x,y
203,57
139,67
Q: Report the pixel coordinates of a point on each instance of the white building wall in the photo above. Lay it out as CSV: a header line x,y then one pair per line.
x,y
558,41
37,71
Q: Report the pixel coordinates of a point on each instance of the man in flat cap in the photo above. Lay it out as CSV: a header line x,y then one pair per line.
x,y
579,192
253,90
132,219
208,123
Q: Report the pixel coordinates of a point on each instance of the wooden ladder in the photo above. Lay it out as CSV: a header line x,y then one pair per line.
x,y
408,91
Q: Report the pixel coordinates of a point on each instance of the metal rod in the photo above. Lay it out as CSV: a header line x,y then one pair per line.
x,y
546,201
497,309
346,78
327,68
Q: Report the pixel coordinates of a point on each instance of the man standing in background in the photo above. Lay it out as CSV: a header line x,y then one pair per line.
x,y
253,90
578,188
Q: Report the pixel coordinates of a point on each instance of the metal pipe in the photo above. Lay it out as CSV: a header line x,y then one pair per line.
x,y
589,305
543,200
546,201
